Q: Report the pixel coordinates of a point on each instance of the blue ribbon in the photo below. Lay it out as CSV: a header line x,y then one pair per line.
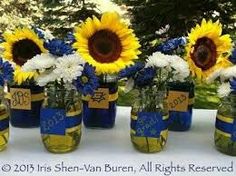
x,y
229,128
149,124
55,121
4,124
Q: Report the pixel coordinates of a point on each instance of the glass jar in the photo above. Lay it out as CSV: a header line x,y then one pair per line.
x,y
60,120
225,126
181,120
4,122
99,110
27,118
149,120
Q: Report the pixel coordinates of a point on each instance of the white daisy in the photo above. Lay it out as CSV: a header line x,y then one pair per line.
x,y
228,73
158,60
39,62
180,67
45,78
69,67
163,30
224,90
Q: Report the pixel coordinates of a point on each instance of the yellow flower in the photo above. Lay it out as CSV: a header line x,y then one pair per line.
x,y
107,44
19,46
207,49
21,76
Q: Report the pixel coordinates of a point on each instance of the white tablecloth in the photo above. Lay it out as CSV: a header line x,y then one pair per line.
x,y
105,148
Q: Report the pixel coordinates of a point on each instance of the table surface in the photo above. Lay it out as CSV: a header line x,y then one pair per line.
x,y
113,147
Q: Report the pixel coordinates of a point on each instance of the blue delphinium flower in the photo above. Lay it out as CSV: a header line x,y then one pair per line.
x,y
69,38
6,72
144,77
39,32
233,84
88,82
129,72
232,58
172,44
58,47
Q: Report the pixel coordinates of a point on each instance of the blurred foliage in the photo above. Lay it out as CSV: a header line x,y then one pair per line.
x,y
58,16
14,13
205,96
61,17
181,15
126,99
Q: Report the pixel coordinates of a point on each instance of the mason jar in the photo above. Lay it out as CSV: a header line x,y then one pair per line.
x,y
27,101
182,109
60,121
99,110
225,126
149,120
4,121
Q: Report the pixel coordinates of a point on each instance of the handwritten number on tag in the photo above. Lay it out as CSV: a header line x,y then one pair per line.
x,y
52,122
177,101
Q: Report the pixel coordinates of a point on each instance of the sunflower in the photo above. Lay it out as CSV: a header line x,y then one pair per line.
x,y
107,44
20,46
207,49
20,76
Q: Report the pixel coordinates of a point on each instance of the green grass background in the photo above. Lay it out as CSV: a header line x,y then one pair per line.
x,y
205,96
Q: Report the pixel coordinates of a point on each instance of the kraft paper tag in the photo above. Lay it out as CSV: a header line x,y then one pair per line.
x,y
100,99
20,98
178,101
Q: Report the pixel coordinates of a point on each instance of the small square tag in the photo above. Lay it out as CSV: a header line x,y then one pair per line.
x,y
100,99
20,98
178,101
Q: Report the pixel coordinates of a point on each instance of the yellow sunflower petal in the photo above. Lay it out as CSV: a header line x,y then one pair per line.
x,y
13,37
111,22
223,44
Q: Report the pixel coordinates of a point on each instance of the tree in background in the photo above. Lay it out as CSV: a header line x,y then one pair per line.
x,y
180,15
15,13
61,16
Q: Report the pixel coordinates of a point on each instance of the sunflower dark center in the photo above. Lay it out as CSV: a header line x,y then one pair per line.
x,y
24,50
105,46
204,54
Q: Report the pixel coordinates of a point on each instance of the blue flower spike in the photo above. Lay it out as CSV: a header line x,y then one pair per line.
x,y
6,72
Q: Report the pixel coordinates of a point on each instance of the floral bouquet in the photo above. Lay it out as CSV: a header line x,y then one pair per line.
x,y
225,131
25,96
6,75
109,45
180,114
149,115
65,76
208,52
